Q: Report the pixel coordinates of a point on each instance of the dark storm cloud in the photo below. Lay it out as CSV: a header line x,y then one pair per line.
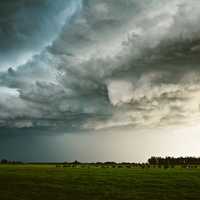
x,y
27,26
118,63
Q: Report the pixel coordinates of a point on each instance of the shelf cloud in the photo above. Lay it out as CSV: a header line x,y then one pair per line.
x,y
100,64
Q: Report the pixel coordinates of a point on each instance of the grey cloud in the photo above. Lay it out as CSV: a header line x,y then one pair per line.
x,y
26,27
124,63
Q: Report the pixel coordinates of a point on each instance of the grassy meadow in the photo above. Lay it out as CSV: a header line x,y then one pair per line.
x,y
51,182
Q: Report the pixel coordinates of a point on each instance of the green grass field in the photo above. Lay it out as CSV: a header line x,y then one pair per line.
x,y
48,182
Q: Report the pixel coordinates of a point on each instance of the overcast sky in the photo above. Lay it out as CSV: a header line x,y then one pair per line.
x,y
97,73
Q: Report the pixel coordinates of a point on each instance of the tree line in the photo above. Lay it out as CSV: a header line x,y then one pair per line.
x,y
5,161
153,161
174,161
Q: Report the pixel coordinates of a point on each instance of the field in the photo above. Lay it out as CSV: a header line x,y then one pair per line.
x,y
48,182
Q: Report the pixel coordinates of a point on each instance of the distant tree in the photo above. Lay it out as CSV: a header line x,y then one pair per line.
x,y
4,161
76,162
174,161
153,161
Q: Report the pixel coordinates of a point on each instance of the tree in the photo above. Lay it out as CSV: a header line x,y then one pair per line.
x,y
4,161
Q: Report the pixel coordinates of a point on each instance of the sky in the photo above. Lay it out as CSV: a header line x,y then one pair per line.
x,y
99,80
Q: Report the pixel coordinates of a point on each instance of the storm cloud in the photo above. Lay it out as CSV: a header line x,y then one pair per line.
x,y
108,64
26,27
